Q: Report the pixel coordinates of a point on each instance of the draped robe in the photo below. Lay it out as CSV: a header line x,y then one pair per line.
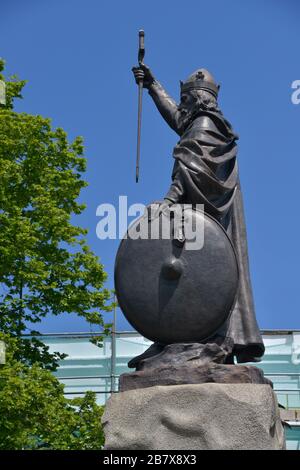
x,y
206,172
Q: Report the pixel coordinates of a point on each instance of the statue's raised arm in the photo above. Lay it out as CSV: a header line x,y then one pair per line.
x,y
164,103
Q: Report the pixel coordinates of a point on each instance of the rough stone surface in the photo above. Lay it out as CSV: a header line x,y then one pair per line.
x,y
191,417
191,373
158,355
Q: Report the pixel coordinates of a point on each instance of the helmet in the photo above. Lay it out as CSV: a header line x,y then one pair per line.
x,y
201,79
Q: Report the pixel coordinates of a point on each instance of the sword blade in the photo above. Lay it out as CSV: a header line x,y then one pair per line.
x,y
138,147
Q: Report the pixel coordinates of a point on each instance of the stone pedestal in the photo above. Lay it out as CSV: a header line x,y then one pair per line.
x,y
194,417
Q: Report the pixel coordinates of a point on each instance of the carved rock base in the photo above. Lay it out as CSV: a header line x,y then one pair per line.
x,y
192,373
194,417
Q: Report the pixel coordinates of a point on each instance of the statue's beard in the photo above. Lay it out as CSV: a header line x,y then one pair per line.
x,y
186,116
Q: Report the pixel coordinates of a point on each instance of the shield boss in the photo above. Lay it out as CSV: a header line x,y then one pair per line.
x,y
172,289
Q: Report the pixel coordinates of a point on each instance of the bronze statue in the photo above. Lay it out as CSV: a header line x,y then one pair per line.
x,y
206,172
193,300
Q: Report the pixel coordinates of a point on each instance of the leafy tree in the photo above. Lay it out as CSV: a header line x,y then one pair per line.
x,y
46,266
34,414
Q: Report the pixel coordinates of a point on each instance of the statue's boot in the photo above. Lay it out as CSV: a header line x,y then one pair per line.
x,y
153,350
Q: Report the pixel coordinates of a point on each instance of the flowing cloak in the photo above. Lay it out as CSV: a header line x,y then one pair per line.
x,y
206,172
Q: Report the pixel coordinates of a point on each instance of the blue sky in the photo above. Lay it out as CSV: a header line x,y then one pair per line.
x,y
77,58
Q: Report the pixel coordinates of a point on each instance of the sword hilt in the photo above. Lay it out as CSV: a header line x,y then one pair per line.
x,y
141,53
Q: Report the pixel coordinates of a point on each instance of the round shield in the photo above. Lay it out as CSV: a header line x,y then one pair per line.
x,y
176,279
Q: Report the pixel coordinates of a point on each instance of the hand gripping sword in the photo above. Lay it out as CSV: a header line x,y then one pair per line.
x,y
141,55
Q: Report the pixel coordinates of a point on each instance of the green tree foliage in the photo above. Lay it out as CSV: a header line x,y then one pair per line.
x,y
46,266
34,414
